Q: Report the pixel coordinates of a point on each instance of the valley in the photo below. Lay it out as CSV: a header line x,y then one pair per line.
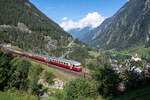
x,y
49,50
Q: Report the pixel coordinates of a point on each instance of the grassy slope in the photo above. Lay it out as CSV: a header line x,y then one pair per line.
x,y
61,75
10,96
140,94
140,50
18,96
93,54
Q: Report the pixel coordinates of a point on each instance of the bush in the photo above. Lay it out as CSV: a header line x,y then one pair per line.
x,y
48,77
108,81
5,68
33,77
79,89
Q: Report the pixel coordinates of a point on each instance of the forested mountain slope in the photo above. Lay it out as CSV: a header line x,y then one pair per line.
x,y
23,25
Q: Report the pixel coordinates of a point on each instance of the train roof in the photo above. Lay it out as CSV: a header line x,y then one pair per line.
x,y
45,56
60,59
68,61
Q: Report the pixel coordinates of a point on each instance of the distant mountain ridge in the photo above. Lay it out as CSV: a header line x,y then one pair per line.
x,y
78,33
129,27
23,25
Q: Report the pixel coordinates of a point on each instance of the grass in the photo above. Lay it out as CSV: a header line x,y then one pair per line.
x,y
59,74
16,47
93,53
139,94
139,50
10,96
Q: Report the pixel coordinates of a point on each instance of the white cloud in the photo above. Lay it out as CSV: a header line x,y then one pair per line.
x,y
91,19
65,18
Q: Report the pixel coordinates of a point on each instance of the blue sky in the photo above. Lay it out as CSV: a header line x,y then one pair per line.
x,y
75,10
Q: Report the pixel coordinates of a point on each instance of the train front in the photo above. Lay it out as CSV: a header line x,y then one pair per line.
x,y
78,67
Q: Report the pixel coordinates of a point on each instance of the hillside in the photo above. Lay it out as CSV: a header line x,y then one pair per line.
x,y
23,25
129,27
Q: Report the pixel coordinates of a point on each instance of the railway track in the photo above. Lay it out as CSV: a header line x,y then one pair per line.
x,y
65,70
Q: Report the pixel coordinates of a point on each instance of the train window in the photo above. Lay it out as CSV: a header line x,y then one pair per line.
x,y
77,66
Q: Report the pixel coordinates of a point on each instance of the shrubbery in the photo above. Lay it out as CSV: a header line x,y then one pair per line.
x,y
18,73
79,89
108,81
48,77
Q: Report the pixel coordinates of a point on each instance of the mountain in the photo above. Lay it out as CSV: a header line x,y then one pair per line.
x,y
129,27
78,33
23,25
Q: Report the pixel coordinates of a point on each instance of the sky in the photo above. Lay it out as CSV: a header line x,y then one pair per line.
x,y
72,14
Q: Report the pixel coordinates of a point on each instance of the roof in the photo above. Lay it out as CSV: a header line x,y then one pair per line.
x,y
45,56
136,57
60,59
68,61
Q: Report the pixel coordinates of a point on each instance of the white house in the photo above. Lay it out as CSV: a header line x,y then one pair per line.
x,y
138,70
136,58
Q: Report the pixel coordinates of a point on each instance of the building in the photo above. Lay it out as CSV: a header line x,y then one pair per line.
x,y
136,58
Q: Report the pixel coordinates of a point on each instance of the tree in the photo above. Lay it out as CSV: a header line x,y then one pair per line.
x,y
92,65
33,77
19,71
79,89
4,69
108,81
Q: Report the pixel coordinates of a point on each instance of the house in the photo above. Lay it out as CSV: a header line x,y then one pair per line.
x,y
136,58
7,45
138,70
148,65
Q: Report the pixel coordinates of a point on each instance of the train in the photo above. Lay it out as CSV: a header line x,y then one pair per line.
x,y
69,64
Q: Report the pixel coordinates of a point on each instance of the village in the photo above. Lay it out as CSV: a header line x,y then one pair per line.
x,y
136,64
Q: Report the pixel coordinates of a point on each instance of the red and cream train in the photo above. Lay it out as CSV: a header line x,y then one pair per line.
x,y
70,64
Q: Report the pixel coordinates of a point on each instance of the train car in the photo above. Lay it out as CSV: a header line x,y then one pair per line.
x,y
34,56
13,51
70,64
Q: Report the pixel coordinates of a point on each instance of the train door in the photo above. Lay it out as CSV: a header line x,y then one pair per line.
x,y
71,65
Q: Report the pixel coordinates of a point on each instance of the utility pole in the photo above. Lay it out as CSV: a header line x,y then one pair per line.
x,y
85,68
